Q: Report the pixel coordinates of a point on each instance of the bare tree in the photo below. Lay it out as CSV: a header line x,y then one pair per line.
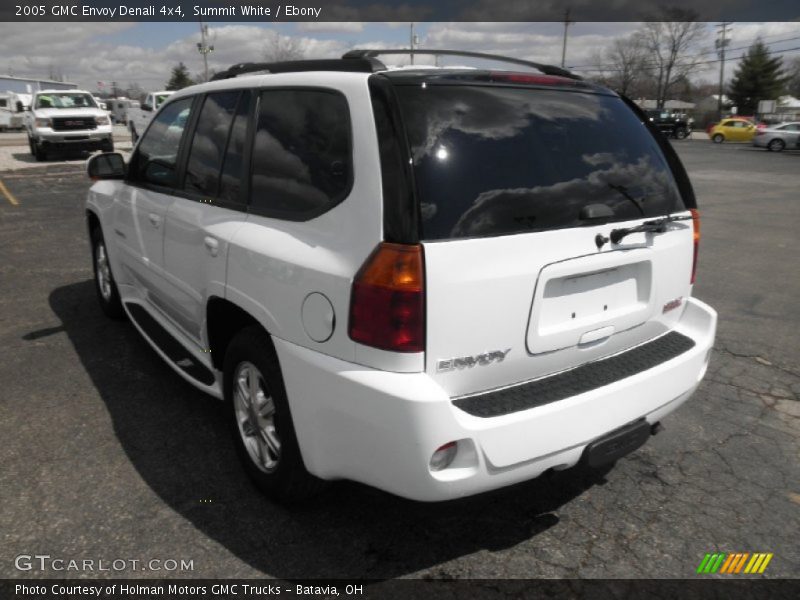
x,y
279,48
671,43
626,59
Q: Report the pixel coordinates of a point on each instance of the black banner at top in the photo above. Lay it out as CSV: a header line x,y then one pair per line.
x,y
402,10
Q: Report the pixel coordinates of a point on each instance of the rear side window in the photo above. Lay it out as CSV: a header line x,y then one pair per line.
x,y
501,160
208,143
301,153
156,159
233,166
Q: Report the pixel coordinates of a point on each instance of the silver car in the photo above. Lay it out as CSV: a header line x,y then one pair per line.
x,y
778,137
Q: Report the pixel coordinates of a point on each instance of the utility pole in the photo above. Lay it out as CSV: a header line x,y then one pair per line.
x,y
204,48
412,39
567,23
720,44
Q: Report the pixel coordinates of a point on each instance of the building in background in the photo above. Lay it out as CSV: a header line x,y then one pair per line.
x,y
27,85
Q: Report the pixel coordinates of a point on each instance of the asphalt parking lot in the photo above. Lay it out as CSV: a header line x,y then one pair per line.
x,y
108,454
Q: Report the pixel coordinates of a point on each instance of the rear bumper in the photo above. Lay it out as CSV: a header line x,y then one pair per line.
x,y
381,428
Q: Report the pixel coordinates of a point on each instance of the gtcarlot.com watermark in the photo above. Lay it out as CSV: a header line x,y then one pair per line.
x,y
45,562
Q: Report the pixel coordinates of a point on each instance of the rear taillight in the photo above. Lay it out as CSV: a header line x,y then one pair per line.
x,y
696,238
387,304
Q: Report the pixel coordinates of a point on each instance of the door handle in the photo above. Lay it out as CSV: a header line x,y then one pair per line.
x,y
154,219
211,244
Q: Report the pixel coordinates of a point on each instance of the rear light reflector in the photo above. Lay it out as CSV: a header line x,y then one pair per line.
x,y
387,303
696,240
443,456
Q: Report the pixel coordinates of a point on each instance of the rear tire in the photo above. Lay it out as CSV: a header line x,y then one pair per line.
x,y
680,133
261,421
776,145
717,138
104,284
134,135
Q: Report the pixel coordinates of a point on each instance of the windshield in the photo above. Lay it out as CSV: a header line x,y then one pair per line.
x,y
65,100
160,99
491,160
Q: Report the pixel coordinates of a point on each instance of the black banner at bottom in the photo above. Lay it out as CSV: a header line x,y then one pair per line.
x,y
252,589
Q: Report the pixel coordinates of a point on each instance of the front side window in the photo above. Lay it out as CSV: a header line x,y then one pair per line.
x,y
301,153
156,160
65,100
208,143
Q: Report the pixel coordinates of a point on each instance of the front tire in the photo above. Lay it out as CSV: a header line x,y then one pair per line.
x,y
718,138
134,135
776,145
261,421
104,284
680,133
37,151
107,146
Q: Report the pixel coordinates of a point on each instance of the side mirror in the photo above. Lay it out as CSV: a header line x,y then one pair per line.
x,y
110,165
147,107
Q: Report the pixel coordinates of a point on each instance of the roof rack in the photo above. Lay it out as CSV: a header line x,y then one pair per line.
x,y
365,61
352,65
546,69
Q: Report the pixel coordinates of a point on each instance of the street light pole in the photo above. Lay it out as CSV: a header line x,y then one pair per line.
x,y
204,48
720,43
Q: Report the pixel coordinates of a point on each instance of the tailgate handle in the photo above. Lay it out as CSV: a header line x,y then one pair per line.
x,y
596,335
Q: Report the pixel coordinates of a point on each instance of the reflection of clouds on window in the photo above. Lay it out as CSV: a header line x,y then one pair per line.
x,y
489,113
559,204
281,161
304,196
427,210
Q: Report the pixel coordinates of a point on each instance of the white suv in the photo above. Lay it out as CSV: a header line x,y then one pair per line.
x,y
435,281
67,120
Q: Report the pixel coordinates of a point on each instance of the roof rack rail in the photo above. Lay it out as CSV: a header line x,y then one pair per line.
x,y
546,69
354,65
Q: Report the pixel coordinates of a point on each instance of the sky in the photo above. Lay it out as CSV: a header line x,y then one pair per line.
x,y
144,53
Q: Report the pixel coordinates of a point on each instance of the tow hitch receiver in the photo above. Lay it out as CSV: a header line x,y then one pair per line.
x,y
617,444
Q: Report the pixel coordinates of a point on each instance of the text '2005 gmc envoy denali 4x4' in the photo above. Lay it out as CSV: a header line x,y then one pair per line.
x,y
435,281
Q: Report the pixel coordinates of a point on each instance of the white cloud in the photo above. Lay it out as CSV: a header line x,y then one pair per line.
x,y
335,27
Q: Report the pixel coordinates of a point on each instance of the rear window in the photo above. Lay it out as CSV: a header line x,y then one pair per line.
x,y
501,160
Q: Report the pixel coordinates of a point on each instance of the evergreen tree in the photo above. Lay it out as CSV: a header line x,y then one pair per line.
x,y
179,78
759,76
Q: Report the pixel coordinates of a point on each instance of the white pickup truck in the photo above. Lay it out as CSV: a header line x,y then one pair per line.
x,y
139,117
67,119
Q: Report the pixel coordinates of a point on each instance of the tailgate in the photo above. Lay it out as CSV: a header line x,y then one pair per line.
x,y
509,309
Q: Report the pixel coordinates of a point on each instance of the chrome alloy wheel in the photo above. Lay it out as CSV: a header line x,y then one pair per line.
x,y
255,417
103,271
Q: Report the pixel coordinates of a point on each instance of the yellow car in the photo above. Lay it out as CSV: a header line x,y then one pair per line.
x,y
732,130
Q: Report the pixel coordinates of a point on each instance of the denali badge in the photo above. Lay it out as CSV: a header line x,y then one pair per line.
x,y
672,304
463,362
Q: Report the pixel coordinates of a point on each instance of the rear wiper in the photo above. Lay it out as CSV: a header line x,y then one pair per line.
x,y
654,226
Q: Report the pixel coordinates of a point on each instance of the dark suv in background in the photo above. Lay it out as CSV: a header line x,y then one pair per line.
x,y
671,124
